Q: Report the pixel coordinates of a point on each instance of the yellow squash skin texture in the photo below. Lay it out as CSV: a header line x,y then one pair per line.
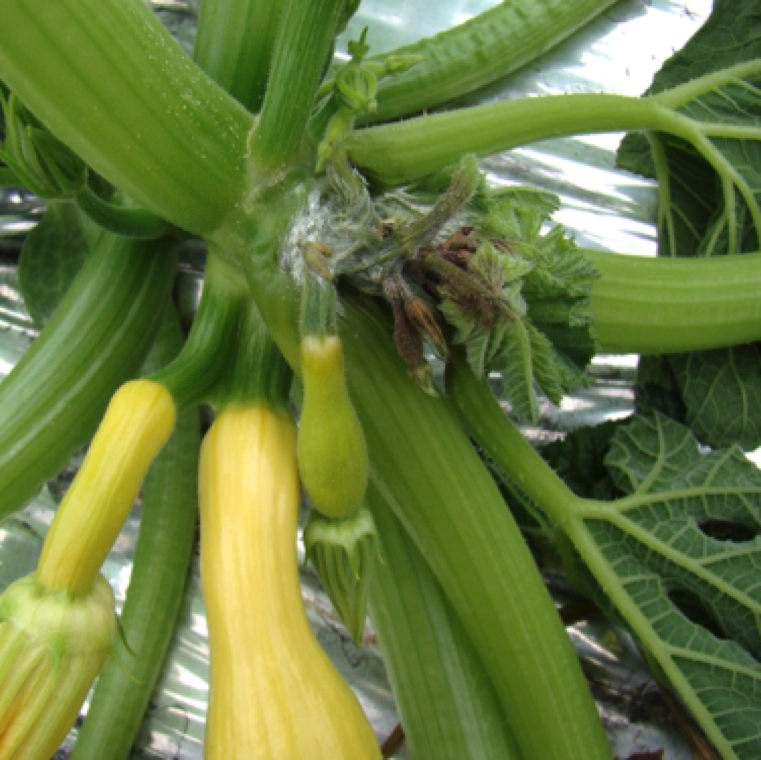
x,y
137,423
274,694
331,448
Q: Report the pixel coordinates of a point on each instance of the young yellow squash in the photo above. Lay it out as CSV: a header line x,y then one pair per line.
x,y
138,421
274,694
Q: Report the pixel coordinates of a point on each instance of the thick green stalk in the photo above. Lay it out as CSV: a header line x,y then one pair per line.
x,y
159,572
53,400
275,291
669,305
257,373
399,153
304,42
210,347
486,421
108,80
447,703
431,476
425,467
234,45
467,57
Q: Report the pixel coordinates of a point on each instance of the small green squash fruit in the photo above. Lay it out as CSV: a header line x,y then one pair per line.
x,y
332,453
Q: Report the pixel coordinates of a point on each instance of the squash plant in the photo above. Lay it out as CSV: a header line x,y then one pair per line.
x,y
334,228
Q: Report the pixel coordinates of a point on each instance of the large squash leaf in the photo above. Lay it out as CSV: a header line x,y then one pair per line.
x,y
680,559
710,187
721,390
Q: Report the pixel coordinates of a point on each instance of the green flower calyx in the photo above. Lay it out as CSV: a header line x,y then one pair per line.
x,y
343,553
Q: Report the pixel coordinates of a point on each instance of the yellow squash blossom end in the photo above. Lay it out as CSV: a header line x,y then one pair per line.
x,y
52,647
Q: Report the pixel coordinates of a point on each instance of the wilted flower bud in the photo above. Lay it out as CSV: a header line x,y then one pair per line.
x,y
52,647
343,554
421,316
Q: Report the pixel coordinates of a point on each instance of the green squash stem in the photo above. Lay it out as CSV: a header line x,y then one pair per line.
x,y
448,706
54,398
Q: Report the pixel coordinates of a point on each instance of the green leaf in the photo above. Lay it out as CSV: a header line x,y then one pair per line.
x,y
508,218
523,270
484,345
705,205
498,270
709,208
429,188
528,197
548,374
53,253
573,348
657,389
717,393
680,557
721,390
561,269
578,459
517,371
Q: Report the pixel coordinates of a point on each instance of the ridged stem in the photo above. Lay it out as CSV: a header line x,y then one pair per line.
x,y
467,57
399,153
108,80
486,421
448,706
304,41
257,375
274,290
437,486
54,398
668,305
234,45
210,347
159,573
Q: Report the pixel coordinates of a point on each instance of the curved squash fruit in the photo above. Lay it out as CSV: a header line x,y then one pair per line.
x,y
274,693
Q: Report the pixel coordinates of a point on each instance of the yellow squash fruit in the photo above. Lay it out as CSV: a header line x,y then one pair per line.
x,y
331,446
138,421
274,694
